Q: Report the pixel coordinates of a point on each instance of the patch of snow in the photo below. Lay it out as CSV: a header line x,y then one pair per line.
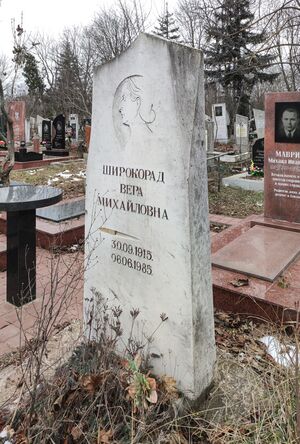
x,y
4,433
65,175
283,354
76,179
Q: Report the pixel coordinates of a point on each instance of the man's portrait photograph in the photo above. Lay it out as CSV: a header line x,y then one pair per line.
x,y
287,122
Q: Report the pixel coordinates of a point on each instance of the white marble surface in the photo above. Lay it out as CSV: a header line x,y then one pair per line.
x,y
259,117
147,223
242,132
221,122
73,119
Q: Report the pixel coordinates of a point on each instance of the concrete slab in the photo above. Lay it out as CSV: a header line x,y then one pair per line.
x,y
262,252
242,181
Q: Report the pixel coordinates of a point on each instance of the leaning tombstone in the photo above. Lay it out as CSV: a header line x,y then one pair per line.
x,y
147,227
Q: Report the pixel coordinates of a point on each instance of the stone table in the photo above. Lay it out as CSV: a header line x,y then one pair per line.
x,y
20,203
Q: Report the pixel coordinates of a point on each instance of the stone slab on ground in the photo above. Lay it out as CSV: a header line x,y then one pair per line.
x,y
240,180
67,209
262,252
272,301
232,158
59,299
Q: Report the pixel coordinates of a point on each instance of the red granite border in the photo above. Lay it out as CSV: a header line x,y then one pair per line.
x,y
272,301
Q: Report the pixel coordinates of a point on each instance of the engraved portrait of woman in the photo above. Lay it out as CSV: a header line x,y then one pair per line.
x,y
133,112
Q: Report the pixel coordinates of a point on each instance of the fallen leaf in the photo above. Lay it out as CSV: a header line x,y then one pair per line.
x,y
91,383
240,282
169,387
152,398
104,437
76,432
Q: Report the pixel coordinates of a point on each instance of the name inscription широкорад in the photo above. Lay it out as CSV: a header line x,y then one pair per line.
x,y
121,250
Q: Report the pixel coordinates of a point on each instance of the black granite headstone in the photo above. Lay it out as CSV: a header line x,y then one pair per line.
x,y
46,132
87,121
58,140
258,153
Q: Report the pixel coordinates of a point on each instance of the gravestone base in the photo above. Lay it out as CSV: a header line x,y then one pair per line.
x,y
272,299
56,153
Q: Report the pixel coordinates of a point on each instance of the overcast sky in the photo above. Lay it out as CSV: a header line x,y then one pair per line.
x,y
52,16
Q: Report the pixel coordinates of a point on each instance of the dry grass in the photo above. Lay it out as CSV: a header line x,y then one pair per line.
x,y
68,175
235,202
98,397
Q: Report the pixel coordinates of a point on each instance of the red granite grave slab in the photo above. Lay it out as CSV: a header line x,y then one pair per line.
x,y
262,252
282,157
272,301
59,300
49,234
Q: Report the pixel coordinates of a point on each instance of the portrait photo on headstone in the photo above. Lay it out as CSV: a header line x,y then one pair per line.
x,y
218,111
287,122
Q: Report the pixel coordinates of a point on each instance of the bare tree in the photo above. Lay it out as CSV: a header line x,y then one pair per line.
x,y
114,29
192,17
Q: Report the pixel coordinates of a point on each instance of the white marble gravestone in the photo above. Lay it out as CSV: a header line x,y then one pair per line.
x,y
221,121
39,122
73,119
259,117
209,133
27,130
147,225
242,133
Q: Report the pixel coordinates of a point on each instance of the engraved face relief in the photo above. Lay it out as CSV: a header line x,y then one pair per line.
x,y
132,111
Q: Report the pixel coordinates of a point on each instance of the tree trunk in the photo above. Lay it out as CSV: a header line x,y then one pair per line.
x,y
7,164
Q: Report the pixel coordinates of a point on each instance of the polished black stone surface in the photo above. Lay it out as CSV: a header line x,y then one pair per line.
x,y
21,257
63,211
28,197
20,202
27,156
